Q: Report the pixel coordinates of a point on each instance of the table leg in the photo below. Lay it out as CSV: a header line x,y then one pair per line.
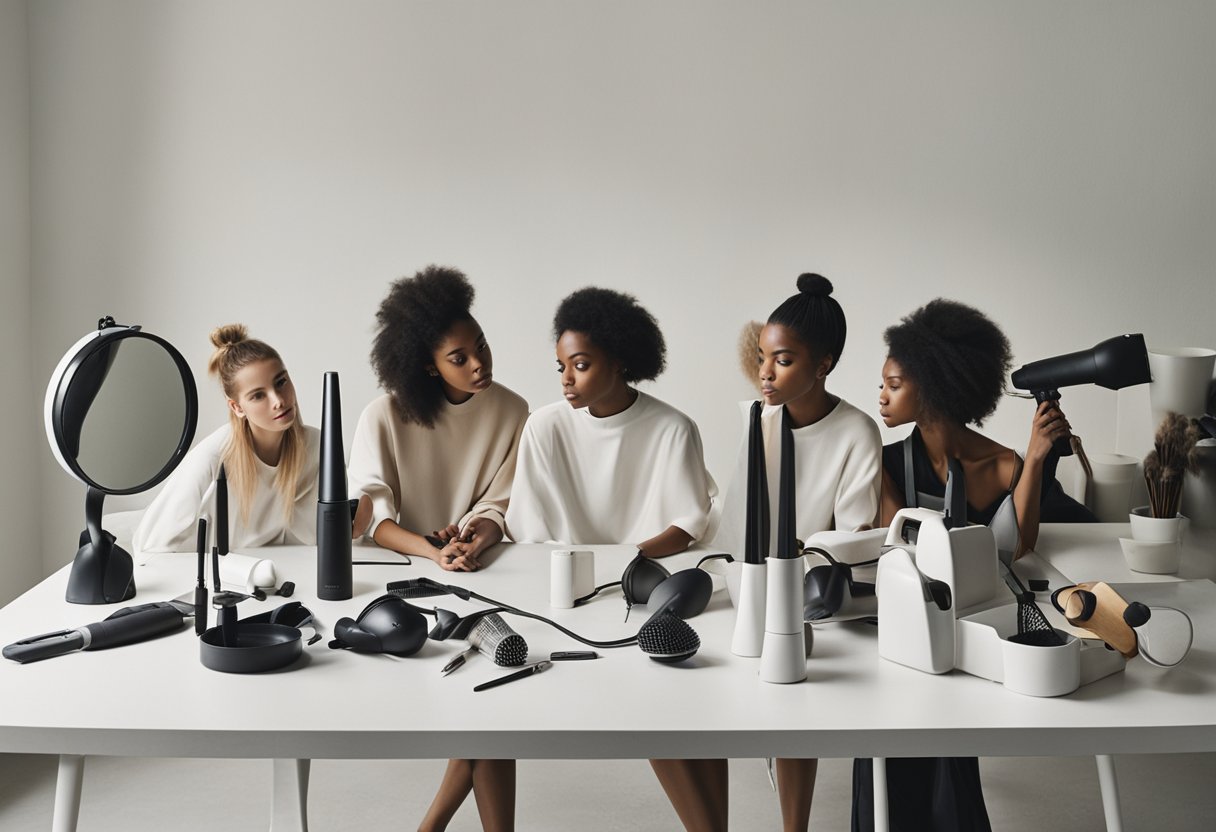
x,y
290,796
67,793
881,820
1110,792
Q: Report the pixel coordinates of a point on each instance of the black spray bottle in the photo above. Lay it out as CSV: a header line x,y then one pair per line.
x,y
334,580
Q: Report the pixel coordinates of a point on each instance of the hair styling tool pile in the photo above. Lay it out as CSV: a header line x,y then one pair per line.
x,y
664,637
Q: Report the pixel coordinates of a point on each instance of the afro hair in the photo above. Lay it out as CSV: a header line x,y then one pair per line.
x,y
616,323
412,320
957,357
815,317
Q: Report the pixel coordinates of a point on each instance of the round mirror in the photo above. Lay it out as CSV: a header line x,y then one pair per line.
x,y
121,409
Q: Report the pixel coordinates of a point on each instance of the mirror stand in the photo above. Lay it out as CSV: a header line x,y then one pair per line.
x,y
102,572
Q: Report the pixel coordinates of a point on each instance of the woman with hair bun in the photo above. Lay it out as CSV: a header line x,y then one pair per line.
x,y
269,456
610,464
945,370
837,449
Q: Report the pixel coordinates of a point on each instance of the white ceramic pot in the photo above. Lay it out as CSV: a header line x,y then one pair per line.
x,y
1152,529
1182,379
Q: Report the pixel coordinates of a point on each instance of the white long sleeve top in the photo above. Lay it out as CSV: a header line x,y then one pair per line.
x,y
425,478
837,475
169,523
618,479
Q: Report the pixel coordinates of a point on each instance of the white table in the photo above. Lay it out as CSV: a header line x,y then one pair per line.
x,y
156,699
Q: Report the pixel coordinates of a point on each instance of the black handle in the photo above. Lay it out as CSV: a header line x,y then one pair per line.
x,y
44,646
133,627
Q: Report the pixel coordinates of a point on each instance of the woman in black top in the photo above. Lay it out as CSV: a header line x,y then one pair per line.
x,y
945,370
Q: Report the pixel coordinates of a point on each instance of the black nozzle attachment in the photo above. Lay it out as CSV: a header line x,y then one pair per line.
x,y
1115,363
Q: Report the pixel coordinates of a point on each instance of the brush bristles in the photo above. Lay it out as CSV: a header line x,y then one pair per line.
x,y
666,638
512,651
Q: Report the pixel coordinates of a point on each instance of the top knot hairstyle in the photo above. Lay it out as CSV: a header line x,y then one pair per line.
x,y
234,351
616,323
413,319
957,357
815,317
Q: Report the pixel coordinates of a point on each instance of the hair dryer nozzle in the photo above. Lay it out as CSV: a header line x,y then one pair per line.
x,y
1115,363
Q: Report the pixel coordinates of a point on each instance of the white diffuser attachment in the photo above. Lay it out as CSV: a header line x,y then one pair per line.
x,y
783,658
748,639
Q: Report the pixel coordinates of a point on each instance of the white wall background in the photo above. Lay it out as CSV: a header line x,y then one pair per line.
x,y
278,163
20,565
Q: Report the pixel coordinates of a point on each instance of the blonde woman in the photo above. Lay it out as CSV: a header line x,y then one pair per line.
x,y
270,458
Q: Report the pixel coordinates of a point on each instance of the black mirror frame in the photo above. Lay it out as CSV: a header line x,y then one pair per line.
x,y
103,572
65,382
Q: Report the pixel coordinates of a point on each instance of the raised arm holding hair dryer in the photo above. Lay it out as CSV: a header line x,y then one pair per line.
x,y
1115,363
945,371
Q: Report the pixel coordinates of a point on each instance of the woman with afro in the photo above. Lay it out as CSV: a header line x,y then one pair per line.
x,y
610,464
945,371
436,454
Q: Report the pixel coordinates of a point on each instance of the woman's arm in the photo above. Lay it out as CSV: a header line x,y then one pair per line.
x,y
1048,425
452,556
892,500
169,523
671,540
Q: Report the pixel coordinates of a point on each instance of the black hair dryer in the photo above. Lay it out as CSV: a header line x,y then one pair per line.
x,y
1115,363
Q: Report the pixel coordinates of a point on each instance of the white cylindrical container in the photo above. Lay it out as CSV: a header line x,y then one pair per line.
x,y
1043,671
571,576
783,653
1182,379
1109,492
748,639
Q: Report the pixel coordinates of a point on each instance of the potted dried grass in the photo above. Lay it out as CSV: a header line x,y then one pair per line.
x,y
1167,464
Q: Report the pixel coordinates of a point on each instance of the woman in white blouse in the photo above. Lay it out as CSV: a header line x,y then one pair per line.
x,y
269,456
610,464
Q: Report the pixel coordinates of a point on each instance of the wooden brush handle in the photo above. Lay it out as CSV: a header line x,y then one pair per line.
x,y
1106,622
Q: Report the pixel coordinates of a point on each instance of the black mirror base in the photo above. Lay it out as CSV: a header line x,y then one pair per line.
x,y
102,573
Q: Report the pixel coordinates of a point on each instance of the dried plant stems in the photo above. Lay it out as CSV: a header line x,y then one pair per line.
x,y
1165,466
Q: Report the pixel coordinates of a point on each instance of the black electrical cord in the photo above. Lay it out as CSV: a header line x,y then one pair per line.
x,y
426,587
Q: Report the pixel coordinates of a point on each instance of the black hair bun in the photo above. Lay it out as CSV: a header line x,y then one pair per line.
x,y
814,284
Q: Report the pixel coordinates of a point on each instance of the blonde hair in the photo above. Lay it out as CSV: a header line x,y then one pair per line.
x,y
235,350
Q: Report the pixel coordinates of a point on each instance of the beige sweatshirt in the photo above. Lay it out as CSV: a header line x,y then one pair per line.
x,y
425,478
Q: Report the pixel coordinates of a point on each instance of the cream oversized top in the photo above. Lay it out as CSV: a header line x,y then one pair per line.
x,y
425,478
618,479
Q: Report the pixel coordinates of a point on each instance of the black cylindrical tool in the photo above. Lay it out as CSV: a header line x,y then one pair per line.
x,y
334,574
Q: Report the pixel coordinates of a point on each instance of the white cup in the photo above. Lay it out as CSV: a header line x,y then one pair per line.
x,y
571,576
1182,379
1109,493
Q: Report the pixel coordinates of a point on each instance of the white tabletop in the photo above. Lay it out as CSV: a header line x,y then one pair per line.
x,y
156,699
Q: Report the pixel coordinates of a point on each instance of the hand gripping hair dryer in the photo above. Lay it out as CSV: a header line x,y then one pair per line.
x,y
1115,363
335,580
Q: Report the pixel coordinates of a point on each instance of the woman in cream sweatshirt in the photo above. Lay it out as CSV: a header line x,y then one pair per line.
x,y
436,455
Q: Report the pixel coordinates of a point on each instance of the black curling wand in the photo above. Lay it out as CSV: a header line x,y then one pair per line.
x,y
200,591
221,511
787,536
756,530
335,579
